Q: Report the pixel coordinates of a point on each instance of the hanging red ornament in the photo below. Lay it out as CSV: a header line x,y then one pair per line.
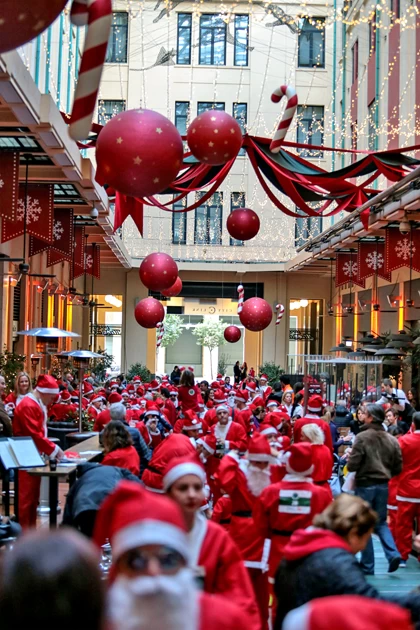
x,y
256,314
158,271
149,312
214,137
243,224
232,334
174,290
20,22
139,153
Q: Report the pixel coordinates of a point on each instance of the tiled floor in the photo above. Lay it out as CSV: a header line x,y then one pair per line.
x,y
401,581
43,521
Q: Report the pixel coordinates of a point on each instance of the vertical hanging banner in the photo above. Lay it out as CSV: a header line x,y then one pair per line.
x,y
128,207
9,184
62,235
346,270
371,261
77,245
402,250
39,214
92,263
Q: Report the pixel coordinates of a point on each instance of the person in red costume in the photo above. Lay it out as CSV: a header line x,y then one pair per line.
x,y
23,387
228,434
63,410
149,426
322,457
95,406
265,388
313,416
119,449
30,420
105,416
214,557
176,445
189,394
222,512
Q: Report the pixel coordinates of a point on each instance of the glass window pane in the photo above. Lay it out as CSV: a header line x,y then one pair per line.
x,y
312,43
237,200
203,107
179,224
240,113
208,220
182,111
108,109
200,235
184,38
310,129
212,40
240,55
118,40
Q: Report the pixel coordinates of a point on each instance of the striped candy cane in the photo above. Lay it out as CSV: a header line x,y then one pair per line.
x,y
97,14
241,294
292,102
280,313
161,328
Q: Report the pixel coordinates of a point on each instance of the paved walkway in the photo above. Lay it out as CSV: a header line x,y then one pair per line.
x,y
401,581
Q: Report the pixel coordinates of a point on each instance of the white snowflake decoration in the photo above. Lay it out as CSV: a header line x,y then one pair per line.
x,y
88,261
33,210
404,249
350,269
58,230
375,260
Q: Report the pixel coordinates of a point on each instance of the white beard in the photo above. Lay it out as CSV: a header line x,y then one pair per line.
x,y
257,479
220,431
154,603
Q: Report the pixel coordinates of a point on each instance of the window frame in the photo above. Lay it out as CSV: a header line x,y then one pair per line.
x,y
310,32
235,38
106,116
315,153
177,116
186,28
200,62
241,123
306,224
112,39
208,206
372,35
355,62
233,242
183,239
219,109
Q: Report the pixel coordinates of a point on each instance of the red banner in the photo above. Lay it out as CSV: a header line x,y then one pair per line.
x,y
371,261
9,184
92,266
401,250
346,270
128,207
39,214
62,235
78,245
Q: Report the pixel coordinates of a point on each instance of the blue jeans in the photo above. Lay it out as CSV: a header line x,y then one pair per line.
x,y
377,497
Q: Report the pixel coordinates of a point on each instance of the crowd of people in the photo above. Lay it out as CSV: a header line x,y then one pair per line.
x,y
222,503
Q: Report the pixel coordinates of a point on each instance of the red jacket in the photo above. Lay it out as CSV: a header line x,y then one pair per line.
x,y
297,429
101,420
189,397
171,412
123,458
222,512
409,479
60,412
234,438
30,420
323,462
216,612
176,445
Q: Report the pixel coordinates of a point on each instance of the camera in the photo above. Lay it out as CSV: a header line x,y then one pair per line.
x,y
94,213
404,227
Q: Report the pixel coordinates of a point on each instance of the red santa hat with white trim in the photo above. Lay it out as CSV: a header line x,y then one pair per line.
x,y
132,517
219,397
242,396
47,384
251,386
272,404
181,466
152,411
65,396
263,377
208,443
154,385
115,397
191,422
267,429
315,404
114,385
137,379
298,459
348,612
259,449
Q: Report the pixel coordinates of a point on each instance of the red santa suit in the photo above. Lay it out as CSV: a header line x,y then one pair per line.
x,y
176,445
313,419
232,435
323,463
30,420
189,397
222,512
101,420
61,412
408,492
171,412
127,458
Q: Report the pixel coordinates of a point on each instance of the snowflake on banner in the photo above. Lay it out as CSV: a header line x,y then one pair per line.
x,y
88,261
33,210
404,249
58,230
375,260
350,269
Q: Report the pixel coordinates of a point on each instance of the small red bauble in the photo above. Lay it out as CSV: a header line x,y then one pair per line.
x,y
256,314
149,312
214,137
174,290
139,153
232,334
158,271
24,20
243,224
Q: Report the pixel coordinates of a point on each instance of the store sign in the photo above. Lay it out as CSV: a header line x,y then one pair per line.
x,y
226,309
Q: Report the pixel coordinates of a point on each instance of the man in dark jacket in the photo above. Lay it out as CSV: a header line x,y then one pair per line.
x,y
95,482
376,458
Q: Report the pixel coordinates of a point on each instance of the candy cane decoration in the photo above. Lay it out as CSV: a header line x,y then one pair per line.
x,y
241,294
280,313
161,328
292,102
97,14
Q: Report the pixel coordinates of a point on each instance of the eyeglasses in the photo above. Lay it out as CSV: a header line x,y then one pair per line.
x,y
167,558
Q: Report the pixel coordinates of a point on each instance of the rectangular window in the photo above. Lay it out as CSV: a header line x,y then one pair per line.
x,y
240,113
395,8
182,113
205,106
372,34
237,200
208,220
212,40
353,130
306,228
179,224
372,126
312,43
240,45
118,39
355,61
310,129
108,109
183,49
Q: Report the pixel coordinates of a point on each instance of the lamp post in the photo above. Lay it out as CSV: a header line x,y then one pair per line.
x,y
81,360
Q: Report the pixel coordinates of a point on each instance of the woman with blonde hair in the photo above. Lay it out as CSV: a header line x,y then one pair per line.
x,y
320,561
322,458
23,386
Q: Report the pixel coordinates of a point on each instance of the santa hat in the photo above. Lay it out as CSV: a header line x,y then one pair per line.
x,y
348,612
191,369
214,385
75,394
284,442
174,392
179,467
258,401
298,459
251,386
65,396
114,385
182,368
219,377
96,398
154,385
272,403
137,379
219,396
125,393
209,443
191,425
131,388
259,449
242,396
115,397
132,517
222,408
47,384
140,390
263,377
151,410
315,404
87,389
267,429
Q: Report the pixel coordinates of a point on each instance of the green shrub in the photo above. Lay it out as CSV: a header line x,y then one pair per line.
x,y
272,371
138,369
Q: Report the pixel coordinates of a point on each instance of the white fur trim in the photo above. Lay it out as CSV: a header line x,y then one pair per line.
x,y
298,478
55,451
157,490
298,619
196,538
152,412
206,446
149,532
314,409
234,455
222,408
192,427
408,499
187,468
269,431
392,507
259,457
47,390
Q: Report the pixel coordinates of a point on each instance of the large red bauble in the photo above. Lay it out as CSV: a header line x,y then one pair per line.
x,y
256,314
214,137
26,19
139,153
243,224
232,334
149,312
158,271
174,290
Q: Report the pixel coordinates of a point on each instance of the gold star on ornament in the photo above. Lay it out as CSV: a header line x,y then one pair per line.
x,y
119,140
232,131
21,17
213,118
156,180
194,130
2,21
137,160
216,131
39,25
158,130
211,144
226,155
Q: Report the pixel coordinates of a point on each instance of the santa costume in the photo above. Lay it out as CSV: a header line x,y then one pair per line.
x,y
232,435
314,408
265,388
126,457
63,410
104,416
176,445
222,512
408,492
